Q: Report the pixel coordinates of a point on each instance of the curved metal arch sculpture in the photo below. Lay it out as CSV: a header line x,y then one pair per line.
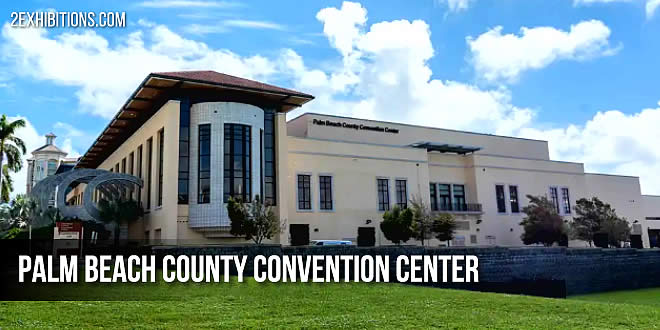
x,y
109,183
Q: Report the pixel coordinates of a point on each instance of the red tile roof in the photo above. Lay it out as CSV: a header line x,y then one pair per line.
x,y
228,80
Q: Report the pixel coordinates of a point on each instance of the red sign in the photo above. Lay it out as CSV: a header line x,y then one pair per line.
x,y
68,227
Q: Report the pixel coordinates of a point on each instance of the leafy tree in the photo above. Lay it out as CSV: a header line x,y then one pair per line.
x,y
397,225
422,225
11,146
7,185
597,217
617,230
24,211
119,212
542,223
444,227
254,220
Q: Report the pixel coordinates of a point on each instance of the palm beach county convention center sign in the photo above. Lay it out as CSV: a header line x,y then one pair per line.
x,y
354,126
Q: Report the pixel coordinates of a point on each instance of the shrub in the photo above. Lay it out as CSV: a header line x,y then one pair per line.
x,y
598,219
444,227
252,220
397,225
542,224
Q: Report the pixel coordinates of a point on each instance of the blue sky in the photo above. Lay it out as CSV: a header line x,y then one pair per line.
x,y
582,74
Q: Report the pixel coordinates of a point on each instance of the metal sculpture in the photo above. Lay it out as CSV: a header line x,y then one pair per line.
x,y
111,185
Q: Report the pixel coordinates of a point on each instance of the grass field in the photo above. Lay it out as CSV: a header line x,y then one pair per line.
x,y
650,297
352,305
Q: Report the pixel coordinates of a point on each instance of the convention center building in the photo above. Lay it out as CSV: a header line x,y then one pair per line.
x,y
198,138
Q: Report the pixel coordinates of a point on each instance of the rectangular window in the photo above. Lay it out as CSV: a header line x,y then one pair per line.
x,y
184,152
131,168
554,198
139,173
131,159
459,198
237,162
513,199
401,193
444,194
161,151
204,165
52,168
566,200
150,147
117,168
383,194
123,166
434,197
325,190
501,199
304,192
269,158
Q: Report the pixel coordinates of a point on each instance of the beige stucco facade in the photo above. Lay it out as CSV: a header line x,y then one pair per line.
x,y
357,157
366,167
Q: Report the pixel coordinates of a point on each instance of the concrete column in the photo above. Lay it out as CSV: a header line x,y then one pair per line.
x,y
282,172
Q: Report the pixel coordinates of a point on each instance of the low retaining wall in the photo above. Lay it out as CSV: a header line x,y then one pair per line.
x,y
553,272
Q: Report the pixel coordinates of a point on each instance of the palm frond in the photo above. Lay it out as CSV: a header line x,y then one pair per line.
x,y
13,157
7,184
18,142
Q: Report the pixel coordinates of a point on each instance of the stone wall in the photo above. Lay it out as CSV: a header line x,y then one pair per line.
x,y
554,272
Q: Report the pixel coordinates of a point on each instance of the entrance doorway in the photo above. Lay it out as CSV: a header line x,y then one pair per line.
x,y
654,237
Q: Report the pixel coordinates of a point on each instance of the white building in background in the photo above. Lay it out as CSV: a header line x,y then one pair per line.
x,y
197,138
45,161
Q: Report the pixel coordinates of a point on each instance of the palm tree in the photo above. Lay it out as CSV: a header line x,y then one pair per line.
x,y
119,212
11,146
24,210
7,185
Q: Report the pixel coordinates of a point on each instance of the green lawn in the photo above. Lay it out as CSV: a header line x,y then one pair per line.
x,y
324,305
649,297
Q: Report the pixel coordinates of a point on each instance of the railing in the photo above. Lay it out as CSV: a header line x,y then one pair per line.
x,y
460,207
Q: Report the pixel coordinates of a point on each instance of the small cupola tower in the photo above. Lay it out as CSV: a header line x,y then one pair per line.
x,y
50,138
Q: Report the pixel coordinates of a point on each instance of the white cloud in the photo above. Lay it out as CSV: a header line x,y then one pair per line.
x,y
381,72
105,75
187,4
610,142
201,29
651,7
384,74
251,24
457,5
497,56
227,25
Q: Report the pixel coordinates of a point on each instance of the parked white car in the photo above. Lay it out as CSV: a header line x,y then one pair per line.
x,y
323,242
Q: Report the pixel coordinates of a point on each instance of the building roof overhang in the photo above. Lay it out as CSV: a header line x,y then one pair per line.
x,y
198,86
445,147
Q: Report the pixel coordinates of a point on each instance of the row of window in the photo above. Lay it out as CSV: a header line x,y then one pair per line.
x,y
500,195
562,203
447,197
562,206
401,190
304,192
134,163
237,163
